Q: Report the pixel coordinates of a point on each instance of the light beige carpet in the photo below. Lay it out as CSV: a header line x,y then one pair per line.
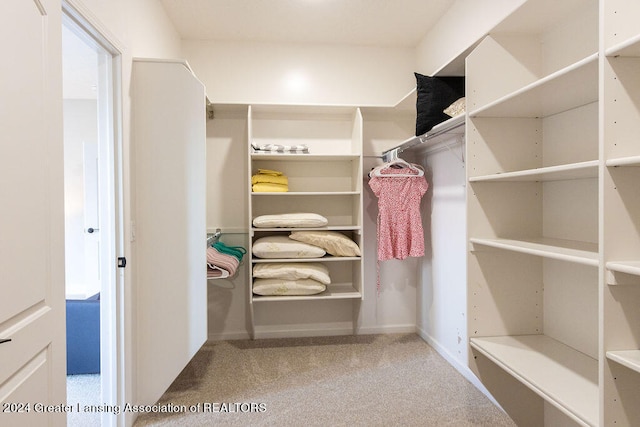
x,y
366,380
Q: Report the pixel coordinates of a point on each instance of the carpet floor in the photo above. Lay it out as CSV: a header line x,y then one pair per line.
x,y
83,390
365,380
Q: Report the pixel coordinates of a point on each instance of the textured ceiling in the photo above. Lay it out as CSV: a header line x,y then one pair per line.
x,y
355,22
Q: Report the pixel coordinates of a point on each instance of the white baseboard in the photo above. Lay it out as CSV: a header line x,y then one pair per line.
x,y
461,368
316,332
228,336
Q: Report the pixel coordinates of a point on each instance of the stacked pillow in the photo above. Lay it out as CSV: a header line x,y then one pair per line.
x,y
296,278
305,244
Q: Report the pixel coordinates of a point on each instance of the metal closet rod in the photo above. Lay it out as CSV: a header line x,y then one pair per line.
x,y
417,140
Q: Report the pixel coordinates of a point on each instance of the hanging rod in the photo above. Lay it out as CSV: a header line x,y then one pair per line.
x,y
439,129
213,237
209,110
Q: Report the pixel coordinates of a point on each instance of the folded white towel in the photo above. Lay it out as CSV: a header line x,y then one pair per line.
x,y
277,148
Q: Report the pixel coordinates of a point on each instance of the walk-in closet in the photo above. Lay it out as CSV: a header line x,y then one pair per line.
x,y
333,213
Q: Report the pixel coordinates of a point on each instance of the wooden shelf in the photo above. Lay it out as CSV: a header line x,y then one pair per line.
x,y
551,173
329,258
304,157
333,291
626,267
305,193
629,47
628,358
624,161
327,228
623,273
568,88
565,250
566,378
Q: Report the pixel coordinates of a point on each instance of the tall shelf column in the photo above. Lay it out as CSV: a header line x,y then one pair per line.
x,y
533,213
621,212
326,181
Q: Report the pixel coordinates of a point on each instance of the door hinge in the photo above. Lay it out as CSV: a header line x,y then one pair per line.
x,y
122,262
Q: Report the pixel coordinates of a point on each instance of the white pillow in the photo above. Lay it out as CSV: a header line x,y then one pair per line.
x,y
284,247
334,243
293,271
294,220
457,108
287,287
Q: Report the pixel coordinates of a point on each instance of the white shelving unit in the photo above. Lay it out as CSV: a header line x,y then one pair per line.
x,y
621,212
326,181
554,371
533,167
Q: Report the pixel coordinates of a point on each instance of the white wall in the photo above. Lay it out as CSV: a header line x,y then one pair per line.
x,y
442,303
272,73
294,73
289,73
464,24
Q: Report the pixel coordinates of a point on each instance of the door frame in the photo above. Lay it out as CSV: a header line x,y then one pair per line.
x,y
112,327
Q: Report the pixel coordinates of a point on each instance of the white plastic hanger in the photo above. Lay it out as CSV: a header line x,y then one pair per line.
x,y
414,169
224,273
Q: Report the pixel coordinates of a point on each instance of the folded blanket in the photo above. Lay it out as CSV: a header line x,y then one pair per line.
x,y
277,148
235,251
267,187
223,261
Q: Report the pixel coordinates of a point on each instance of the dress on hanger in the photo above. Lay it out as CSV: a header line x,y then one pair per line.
x,y
400,231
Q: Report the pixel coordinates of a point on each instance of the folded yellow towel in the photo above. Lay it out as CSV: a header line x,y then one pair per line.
x,y
269,172
271,179
267,187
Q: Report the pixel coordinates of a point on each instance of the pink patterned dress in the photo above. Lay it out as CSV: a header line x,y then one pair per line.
x,y
400,232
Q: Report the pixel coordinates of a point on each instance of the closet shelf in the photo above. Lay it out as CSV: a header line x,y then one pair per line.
x,y
550,173
627,267
306,193
305,157
564,377
629,47
628,358
623,273
624,161
568,88
323,259
333,291
327,228
565,250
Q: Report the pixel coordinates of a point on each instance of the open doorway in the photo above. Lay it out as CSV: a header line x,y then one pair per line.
x,y
92,220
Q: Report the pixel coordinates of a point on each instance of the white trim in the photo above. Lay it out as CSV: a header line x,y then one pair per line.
x,y
453,361
287,333
82,15
117,386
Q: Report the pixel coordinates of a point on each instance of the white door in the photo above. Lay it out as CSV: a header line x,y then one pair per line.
x,y
91,217
169,139
32,307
